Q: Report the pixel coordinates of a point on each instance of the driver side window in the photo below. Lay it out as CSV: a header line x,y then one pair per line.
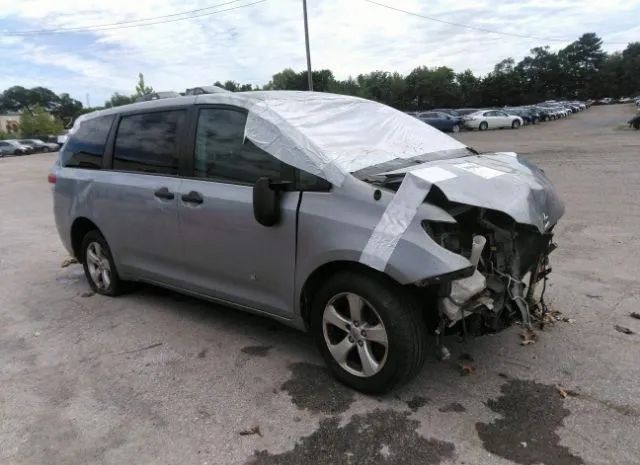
x,y
222,154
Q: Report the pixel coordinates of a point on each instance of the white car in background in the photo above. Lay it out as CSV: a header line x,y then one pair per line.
x,y
492,119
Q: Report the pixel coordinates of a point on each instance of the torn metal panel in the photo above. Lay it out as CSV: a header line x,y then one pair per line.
x,y
399,214
500,182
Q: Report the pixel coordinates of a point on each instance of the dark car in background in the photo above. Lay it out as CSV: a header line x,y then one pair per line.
x,y
442,121
527,115
448,111
39,145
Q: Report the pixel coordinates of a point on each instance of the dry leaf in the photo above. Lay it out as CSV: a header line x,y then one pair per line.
x,y
87,294
623,330
528,336
68,261
564,393
249,432
466,369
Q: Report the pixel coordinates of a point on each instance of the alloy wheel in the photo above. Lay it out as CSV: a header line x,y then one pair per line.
x,y
98,265
355,334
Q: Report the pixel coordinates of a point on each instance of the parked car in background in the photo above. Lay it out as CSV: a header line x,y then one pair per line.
x,y
555,112
39,146
448,111
527,116
408,230
466,111
492,119
13,147
441,121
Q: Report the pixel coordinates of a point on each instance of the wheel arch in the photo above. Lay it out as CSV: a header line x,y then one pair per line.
x,y
322,273
80,227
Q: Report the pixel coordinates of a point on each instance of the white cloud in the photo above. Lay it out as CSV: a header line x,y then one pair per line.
x,y
251,44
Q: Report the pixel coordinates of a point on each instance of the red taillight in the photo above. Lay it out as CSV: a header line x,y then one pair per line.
x,y
51,178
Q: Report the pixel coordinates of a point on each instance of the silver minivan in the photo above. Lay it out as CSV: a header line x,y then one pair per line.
x,y
329,213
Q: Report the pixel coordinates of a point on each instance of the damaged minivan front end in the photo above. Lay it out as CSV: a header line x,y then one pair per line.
x,y
502,211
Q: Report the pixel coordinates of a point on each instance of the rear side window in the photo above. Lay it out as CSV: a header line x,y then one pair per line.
x,y
148,142
223,154
85,147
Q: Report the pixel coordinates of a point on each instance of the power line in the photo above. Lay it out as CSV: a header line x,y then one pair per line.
x,y
481,29
119,25
75,28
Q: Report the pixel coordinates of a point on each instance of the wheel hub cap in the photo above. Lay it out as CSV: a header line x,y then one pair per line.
x,y
355,335
98,265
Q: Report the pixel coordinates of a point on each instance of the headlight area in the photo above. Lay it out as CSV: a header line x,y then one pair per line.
x,y
508,261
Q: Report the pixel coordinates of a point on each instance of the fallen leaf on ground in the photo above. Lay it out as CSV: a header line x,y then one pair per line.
x,y
466,369
464,363
87,294
528,336
623,330
635,315
249,432
564,393
68,261
36,333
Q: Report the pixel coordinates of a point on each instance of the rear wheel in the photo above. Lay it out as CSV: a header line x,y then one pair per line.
x,y
99,267
369,330
515,124
483,126
455,128
45,149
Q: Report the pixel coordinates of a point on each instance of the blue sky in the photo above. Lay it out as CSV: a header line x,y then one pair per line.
x,y
251,44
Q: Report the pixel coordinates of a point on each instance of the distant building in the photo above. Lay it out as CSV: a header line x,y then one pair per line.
x,y
10,122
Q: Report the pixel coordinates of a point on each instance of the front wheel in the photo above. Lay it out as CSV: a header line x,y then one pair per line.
x,y
369,330
455,128
45,149
483,126
99,267
515,124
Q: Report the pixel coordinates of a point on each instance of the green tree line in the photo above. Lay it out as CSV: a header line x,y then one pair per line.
x,y
582,70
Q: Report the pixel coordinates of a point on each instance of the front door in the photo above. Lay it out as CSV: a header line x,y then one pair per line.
x,y
228,254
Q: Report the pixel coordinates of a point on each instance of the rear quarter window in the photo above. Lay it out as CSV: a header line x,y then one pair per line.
x,y
85,147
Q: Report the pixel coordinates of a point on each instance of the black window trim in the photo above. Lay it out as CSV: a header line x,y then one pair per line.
x,y
107,161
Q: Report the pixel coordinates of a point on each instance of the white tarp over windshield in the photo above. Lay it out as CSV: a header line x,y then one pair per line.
x,y
332,135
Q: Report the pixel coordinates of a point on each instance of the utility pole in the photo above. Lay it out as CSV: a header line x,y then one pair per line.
x,y
306,40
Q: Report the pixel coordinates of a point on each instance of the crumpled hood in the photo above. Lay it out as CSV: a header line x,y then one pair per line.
x,y
500,181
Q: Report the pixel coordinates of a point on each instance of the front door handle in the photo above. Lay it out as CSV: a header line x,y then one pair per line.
x,y
164,194
192,197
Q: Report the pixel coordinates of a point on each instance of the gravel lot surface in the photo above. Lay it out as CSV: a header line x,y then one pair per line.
x,y
154,377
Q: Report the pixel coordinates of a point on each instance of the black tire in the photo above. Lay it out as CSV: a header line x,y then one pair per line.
x,y
402,322
515,124
115,286
455,128
45,149
483,126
